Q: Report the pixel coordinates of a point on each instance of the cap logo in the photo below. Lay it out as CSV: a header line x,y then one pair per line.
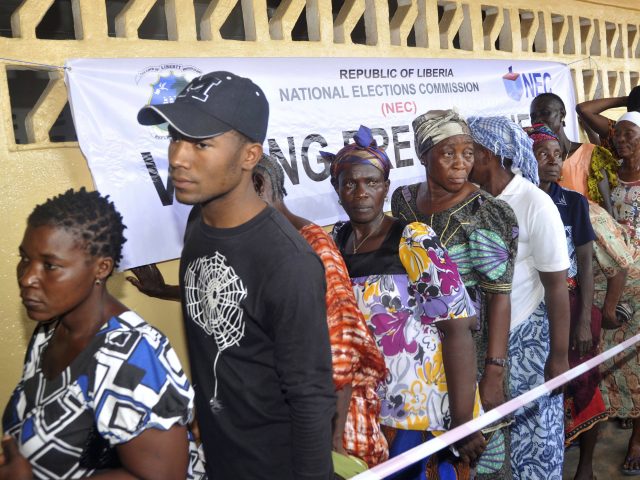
x,y
197,91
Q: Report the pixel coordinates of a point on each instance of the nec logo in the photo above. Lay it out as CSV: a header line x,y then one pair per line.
x,y
528,84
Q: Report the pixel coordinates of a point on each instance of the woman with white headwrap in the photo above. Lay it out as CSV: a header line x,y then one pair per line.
x,y
539,332
620,385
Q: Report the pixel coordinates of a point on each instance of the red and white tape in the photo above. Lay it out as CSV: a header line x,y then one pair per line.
x,y
416,454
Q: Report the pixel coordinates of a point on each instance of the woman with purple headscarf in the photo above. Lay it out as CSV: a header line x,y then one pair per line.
x,y
413,299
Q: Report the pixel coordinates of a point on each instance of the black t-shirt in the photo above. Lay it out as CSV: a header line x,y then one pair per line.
x,y
254,307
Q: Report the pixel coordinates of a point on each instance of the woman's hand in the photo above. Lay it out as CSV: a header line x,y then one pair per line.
x,y
555,365
492,387
610,320
149,280
581,338
471,447
13,465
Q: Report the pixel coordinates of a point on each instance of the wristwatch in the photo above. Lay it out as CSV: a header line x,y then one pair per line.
x,y
501,362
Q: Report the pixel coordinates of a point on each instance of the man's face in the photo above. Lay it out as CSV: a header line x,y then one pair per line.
x,y
547,110
205,169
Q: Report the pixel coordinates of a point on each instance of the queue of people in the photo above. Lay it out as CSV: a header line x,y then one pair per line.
x,y
517,257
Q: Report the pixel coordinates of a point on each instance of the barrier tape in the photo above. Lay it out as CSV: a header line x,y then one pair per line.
x,y
416,454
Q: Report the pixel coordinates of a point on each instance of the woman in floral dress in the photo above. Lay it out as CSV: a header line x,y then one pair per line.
x,y
621,376
414,301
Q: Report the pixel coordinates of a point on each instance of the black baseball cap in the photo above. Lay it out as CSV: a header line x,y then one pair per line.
x,y
213,104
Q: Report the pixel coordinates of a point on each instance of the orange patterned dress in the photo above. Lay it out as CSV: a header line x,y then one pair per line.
x,y
355,355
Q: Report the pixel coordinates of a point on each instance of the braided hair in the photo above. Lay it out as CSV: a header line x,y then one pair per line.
x,y
268,166
87,215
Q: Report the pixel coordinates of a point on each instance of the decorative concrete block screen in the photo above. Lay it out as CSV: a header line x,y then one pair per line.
x,y
600,41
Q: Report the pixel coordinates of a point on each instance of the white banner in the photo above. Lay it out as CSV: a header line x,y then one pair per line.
x,y
315,104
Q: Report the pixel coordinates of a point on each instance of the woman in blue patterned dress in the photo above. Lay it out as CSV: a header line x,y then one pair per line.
x,y
102,392
414,301
539,332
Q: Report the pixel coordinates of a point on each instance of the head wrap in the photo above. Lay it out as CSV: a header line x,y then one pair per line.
x,y
364,151
506,140
436,125
633,117
269,166
539,132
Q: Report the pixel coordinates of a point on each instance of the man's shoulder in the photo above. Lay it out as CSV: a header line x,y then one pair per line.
x,y
281,237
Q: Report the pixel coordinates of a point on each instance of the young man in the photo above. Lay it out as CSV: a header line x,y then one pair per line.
x,y
253,294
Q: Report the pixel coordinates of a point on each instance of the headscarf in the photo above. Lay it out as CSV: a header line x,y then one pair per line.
x,y
633,117
539,133
436,125
269,166
506,140
364,151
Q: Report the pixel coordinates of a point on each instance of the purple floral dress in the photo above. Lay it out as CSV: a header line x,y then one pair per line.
x,y
403,289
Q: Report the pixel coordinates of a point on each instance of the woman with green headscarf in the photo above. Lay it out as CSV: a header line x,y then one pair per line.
x,y
481,234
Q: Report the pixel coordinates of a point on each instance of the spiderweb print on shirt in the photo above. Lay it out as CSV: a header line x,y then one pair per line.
x,y
213,293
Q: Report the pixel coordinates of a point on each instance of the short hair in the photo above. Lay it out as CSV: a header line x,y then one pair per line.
x,y
551,96
272,168
633,100
242,138
92,218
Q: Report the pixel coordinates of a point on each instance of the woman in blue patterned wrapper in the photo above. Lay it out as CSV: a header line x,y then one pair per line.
x,y
102,392
539,330
413,299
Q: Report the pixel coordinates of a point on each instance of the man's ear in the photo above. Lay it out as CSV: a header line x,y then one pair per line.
x,y
252,155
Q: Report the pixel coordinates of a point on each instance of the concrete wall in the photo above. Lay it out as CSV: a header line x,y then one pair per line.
x,y
599,38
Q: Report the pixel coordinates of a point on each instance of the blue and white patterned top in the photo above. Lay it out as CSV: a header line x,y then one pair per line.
x,y
126,381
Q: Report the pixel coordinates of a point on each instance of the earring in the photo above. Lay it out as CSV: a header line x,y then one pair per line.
x,y
564,124
98,281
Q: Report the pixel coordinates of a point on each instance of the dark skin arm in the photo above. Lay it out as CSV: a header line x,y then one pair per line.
x,y
615,287
590,113
458,355
556,297
149,280
340,418
13,466
581,338
152,455
499,320
603,188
